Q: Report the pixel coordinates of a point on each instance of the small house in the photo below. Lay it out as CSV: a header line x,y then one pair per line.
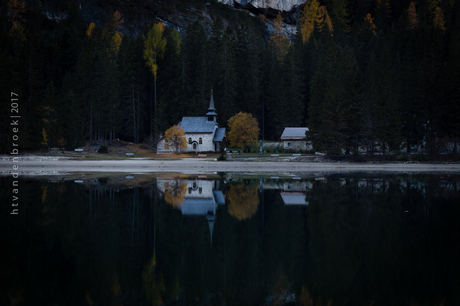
x,y
294,138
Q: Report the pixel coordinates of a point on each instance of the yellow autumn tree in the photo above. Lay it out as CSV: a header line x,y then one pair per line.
x,y
369,24
154,48
174,136
153,283
438,19
116,42
117,21
279,42
90,29
175,193
244,130
313,17
243,201
15,11
412,16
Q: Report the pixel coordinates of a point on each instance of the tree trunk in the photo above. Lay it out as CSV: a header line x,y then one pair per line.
x,y
134,113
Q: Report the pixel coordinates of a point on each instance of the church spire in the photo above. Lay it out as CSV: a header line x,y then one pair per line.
x,y
211,110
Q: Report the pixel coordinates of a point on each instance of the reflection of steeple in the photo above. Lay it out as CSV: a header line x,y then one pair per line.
x,y
211,219
199,198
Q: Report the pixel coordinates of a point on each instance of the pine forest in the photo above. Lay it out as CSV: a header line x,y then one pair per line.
x,y
357,73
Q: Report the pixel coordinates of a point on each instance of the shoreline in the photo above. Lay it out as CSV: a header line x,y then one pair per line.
x,y
56,166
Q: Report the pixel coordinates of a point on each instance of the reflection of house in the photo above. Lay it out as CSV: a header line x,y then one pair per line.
x,y
288,185
294,138
294,198
201,133
201,197
293,192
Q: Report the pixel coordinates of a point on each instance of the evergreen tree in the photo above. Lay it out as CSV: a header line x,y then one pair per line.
x,y
226,86
248,69
335,93
389,123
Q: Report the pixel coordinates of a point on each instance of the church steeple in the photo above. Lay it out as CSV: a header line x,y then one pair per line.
x,y
211,110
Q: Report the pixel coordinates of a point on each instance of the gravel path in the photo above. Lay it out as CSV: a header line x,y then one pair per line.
x,y
36,165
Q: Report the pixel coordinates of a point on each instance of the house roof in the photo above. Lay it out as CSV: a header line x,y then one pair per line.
x,y
197,125
219,135
294,133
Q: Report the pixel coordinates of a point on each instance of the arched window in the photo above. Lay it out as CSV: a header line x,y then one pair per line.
x,y
190,140
200,141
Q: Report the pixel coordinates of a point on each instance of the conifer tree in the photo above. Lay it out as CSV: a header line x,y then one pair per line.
x,y
248,69
278,41
335,92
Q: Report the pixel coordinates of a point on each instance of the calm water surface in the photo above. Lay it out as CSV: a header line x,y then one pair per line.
x,y
144,240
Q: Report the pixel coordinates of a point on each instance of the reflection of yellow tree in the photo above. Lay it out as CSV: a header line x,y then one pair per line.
x,y
153,284
175,193
243,201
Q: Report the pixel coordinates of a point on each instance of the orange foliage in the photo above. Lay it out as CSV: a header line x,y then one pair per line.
x,y
244,130
278,40
174,136
15,10
175,193
243,201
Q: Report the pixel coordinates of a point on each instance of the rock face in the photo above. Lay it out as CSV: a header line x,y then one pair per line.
x,y
281,5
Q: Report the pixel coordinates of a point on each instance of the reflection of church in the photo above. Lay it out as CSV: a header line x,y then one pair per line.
x,y
201,197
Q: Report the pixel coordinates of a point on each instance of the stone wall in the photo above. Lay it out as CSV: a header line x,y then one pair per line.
x,y
297,145
196,189
206,145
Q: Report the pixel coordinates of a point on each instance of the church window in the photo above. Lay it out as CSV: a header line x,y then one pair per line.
x,y
200,141
190,140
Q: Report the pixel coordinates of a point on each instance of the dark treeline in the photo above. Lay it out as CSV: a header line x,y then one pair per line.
x,y
357,73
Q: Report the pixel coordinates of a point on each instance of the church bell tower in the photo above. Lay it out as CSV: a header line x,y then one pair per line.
x,y
211,110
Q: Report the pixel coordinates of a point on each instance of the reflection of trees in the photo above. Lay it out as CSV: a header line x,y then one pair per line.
x,y
153,284
353,245
243,201
175,193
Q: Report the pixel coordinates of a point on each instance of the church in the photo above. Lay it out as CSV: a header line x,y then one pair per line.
x,y
202,133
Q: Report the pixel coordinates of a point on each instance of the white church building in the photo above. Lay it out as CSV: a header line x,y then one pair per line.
x,y
202,133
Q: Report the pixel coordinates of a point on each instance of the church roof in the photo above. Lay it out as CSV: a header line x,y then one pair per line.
x,y
219,197
219,135
197,207
197,125
294,133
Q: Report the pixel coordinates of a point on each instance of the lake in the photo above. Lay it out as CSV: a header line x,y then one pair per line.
x,y
226,239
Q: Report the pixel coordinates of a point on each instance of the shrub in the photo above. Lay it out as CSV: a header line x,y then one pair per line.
x,y
402,158
357,157
222,157
268,150
103,149
419,157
